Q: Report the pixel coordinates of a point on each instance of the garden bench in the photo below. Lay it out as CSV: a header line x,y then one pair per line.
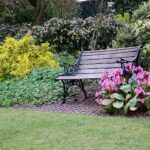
x,y
91,64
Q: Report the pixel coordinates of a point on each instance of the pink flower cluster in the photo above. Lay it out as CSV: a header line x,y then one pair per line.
x,y
99,101
139,91
142,77
111,81
141,101
132,68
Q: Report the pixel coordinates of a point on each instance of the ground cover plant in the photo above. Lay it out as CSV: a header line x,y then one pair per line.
x,y
38,88
124,90
20,129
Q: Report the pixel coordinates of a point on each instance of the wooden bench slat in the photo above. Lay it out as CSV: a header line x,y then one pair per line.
x,y
112,49
108,56
79,76
108,52
103,61
99,66
91,71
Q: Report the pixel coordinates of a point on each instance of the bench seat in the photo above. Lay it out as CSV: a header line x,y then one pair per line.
x,y
83,75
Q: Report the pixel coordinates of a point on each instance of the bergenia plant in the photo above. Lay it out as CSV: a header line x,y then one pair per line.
x,y
124,92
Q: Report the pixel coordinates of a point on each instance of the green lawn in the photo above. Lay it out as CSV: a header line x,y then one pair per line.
x,y
30,130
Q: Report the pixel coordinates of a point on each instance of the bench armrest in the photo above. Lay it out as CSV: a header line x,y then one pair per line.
x,y
121,60
69,69
122,63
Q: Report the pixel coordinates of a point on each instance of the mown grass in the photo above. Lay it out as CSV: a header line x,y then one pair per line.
x,y
31,130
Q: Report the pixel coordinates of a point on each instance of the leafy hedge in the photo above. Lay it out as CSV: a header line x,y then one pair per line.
x,y
77,34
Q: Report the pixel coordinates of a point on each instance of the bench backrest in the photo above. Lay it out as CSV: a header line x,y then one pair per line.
x,y
97,61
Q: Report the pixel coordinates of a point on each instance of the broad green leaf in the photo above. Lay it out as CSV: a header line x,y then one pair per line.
x,y
133,85
132,78
105,95
133,108
118,96
126,88
118,104
106,102
133,102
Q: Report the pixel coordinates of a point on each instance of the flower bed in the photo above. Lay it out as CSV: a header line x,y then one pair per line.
x,y
126,91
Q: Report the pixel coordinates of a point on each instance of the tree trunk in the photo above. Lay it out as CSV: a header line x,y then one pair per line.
x,y
41,13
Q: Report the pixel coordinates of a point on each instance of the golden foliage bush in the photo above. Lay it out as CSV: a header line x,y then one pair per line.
x,y
19,57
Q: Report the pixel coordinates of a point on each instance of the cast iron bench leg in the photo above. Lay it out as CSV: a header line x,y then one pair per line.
x,y
65,91
67,84
81,86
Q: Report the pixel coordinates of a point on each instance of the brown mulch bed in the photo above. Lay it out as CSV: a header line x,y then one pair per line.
x,y
78,107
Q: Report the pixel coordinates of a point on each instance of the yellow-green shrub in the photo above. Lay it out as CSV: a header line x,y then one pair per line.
x,y
19,57
122,19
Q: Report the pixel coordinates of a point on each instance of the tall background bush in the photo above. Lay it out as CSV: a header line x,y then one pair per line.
x,y
137,32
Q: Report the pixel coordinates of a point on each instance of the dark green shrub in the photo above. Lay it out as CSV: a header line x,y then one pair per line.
x,y
17,30
145,57
66,58
68,35
142,13
8,30
125,37
133,35
15,12
138,31
73,35
147,104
